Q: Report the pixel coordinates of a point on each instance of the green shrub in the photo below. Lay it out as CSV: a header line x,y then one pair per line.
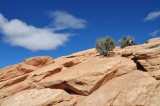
x,y
105,45
127,41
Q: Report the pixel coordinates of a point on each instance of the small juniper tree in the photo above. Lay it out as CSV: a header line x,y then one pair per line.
x,y
105,45
127,41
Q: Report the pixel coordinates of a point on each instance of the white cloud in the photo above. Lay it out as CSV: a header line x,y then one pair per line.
x,y
152,16
18,33
155,33
64,20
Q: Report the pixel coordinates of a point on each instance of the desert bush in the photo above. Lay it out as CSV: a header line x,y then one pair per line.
x,y
105,45
127,41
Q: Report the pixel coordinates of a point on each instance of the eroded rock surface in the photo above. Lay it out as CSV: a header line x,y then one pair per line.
x,y
108,94
148,54
40,97
129,78
86,77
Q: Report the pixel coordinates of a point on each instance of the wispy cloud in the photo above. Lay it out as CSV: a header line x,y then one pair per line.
x,y
63,20
18,33
155,33
152,16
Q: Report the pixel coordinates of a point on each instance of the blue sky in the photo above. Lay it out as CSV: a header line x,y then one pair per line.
x,y
61,27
